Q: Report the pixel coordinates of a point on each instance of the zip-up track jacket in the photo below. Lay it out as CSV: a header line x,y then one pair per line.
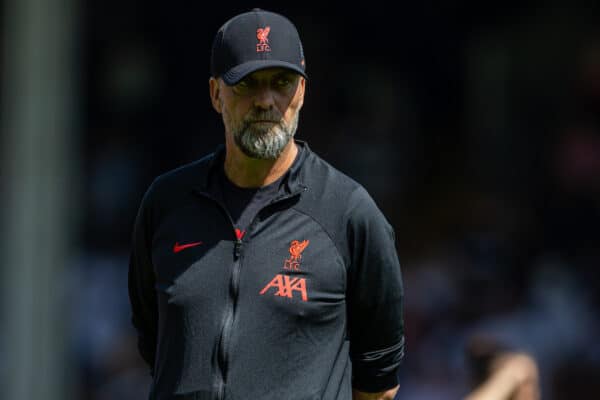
x,y
305,305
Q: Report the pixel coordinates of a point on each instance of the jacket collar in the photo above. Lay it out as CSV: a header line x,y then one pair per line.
x,y
291,182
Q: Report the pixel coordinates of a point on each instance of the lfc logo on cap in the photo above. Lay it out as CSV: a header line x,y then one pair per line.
x,y
262,34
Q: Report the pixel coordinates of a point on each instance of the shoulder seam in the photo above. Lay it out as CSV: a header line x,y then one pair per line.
x,y
337,249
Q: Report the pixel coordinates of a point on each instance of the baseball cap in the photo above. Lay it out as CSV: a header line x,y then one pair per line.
x,y
255,40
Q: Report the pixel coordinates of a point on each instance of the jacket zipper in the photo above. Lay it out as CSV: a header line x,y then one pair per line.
x,y
223,346
229,318
227,321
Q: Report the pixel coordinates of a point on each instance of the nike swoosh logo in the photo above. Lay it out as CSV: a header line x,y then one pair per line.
x,y
178,247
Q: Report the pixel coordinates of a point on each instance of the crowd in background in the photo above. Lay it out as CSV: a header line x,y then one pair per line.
x,y
475,128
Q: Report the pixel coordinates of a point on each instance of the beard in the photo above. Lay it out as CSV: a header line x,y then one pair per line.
x,y
264,141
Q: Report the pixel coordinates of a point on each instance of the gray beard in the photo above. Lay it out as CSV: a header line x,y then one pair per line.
x,y
265,142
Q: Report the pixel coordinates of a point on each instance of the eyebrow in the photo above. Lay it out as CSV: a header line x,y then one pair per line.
x,y
286,74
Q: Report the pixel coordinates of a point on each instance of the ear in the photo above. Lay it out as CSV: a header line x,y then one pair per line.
x,y
300,91
215,93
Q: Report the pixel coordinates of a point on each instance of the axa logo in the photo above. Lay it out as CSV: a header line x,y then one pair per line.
x,y
262,34
296,249
286,285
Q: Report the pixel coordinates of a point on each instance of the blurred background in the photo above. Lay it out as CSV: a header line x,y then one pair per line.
x,y
474,125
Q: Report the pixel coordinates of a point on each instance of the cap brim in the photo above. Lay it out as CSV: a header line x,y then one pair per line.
x,y
235,74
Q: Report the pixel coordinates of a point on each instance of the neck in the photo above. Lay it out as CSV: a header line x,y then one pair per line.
x,y
248,172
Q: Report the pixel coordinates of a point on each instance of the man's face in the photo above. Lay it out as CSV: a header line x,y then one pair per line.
x,y
260,113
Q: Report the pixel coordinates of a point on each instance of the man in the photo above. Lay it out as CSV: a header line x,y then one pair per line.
x,y
500,372
510,376
260,271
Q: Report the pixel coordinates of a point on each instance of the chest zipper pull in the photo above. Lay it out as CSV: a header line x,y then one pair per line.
x,y
237,249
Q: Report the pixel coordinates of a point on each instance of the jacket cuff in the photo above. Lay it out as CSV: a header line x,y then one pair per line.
x,y
377,371
376,384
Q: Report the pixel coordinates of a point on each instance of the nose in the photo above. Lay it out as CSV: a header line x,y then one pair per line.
x,y
264,98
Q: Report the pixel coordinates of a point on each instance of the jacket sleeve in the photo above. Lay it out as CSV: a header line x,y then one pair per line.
x,y
375,293
142,295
